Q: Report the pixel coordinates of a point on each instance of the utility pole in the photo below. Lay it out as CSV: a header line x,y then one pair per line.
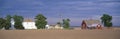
x,y
60,15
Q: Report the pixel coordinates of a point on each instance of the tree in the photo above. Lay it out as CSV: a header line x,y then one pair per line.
x,y
2,23
40,21
18,22
106,20
8,22
66,23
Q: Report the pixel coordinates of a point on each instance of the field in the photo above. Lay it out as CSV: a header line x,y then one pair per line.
x,y
61,34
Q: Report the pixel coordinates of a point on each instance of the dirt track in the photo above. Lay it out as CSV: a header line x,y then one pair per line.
x,y
59,34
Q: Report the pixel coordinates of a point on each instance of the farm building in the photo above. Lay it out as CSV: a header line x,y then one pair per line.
x,y
91,24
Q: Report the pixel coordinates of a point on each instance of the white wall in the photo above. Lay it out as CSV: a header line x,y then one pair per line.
x,y
29,25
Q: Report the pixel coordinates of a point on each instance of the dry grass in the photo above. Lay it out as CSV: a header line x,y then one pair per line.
x,y
60,34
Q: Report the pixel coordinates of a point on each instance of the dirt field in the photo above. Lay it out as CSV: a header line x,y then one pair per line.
x,y
60,34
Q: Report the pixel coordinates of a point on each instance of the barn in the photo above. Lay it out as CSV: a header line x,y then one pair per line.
x,y
91,24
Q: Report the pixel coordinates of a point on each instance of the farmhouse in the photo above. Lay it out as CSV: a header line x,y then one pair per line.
x,y
57,26
29,24
91,24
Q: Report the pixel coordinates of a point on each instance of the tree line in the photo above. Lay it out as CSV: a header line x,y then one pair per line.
x,y
40,21
6,22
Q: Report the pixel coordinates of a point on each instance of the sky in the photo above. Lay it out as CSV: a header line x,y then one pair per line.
x,y
56,10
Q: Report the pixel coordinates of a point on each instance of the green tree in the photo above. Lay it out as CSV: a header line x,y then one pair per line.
x,y
106,20
66,23
40,21
8,22
2,23
18,22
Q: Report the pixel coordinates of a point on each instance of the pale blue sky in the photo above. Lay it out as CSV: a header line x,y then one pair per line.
x,y
75,10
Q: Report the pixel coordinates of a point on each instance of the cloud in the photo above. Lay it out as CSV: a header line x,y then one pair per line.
x,y
88,4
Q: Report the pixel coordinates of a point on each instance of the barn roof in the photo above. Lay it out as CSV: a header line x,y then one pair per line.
x,y
90,22
28,20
